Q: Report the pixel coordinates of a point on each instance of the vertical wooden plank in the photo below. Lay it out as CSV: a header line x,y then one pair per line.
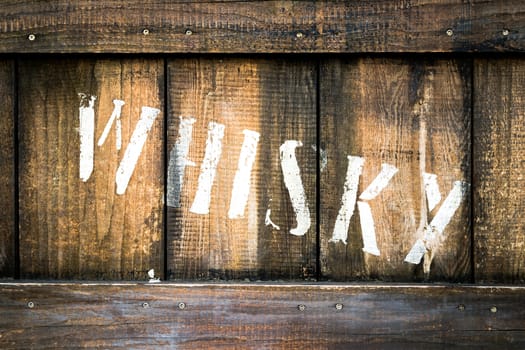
x,y
499,163
413,116
7,169
225,97
74,224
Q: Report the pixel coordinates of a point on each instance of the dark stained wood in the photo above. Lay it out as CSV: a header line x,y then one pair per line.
x,y
499,153
75,229
260,316
275,98
393,111
262,26
7,169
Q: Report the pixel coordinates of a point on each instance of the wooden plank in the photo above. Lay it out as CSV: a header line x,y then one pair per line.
x,y
499,151
229,237
73,223
268,26
7,169
404,114
255,316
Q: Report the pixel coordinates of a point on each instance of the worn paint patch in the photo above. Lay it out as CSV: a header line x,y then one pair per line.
x,y
242,179
294,184
323,158
87,135
114,118
134,149
368,230
434,231
268,221
212,154
431,190
178,160
379,183
342,222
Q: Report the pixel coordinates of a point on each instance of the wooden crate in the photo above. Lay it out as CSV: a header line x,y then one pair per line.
x,y
350,172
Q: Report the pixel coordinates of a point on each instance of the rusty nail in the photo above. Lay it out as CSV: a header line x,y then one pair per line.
x,y
182,305
145,31
299,35
30,304
339,306
493,309
31,37
301,307
188,32
145,305
505,32
450,32
461,307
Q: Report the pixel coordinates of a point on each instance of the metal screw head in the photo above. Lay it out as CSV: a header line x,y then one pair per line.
x,y
450,32
339,306
505,32
145,305
188,32
301,307
299,35
145,31
31,37
30,304
493,309
461,307
182,305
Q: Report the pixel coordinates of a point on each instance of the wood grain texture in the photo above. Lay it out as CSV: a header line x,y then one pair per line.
x,y
262,26
275,98
75,229
499,153
7,169
260,316
391,111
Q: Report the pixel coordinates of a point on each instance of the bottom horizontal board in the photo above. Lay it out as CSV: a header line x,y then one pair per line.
x,y
257,316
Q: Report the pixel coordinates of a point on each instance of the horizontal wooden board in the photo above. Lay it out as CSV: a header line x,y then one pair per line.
x,y
7,169
246,110
262,26
498,165
88,208
408,119
124,316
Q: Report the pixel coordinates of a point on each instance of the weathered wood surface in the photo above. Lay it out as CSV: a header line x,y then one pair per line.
x,y
131,316
413,115
499,163
7,169
262,26
268,102
73,224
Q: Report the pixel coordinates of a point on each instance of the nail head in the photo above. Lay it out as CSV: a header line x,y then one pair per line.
x,y
31,37
182,306
145,305
339,306
299,35
505,32
450,32
493,309
188,32
301,307
145,31
30,304
461,307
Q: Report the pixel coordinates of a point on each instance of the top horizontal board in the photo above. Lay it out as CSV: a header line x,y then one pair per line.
x,y
166,26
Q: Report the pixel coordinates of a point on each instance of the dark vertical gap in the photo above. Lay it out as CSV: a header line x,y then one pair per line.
x,y
472,163
318,169
165,160
16,173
